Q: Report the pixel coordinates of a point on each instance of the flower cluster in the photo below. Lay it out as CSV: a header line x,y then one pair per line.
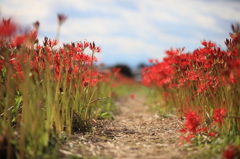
x,y
193,121
206,68
203,77
231,152
7,28
194,124
202,86
69,59
218,115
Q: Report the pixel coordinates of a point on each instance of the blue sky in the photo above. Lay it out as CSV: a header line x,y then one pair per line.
x,y
130,31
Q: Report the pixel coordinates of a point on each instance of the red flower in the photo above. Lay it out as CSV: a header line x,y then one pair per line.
x,y
7,28
212,134
61,18
116,70
36,25
1,63
208,44
93,48
132,96
218,115
102,64
231,152
192,121
98,49
53,42
186,139
159,74
150,60
173,52
203,129
18,41
201,87
86,44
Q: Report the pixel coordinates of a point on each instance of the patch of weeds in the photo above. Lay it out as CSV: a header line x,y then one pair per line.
x,y
105,115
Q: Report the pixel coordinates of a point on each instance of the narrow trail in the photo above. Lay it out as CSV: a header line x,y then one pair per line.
x,y
134,134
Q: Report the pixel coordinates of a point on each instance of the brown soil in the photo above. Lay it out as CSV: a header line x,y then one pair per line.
x,y
134,134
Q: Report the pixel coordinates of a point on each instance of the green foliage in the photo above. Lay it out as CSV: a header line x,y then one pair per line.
x,y
105,115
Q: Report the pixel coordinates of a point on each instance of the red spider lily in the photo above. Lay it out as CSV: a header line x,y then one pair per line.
x,y
212,134
15,61
197,66
52,43
203,73
80,45
61,18
105,77
18,41
150,60
132,96
218,115
92,81
1,63
32,36
201,87
159,74
173,52
202,129
231,152
36,25
167,95
208,44
192,75
70,60
7,28
85,44
94,48
153,61
116,70
192,121
98,49
186,139
102,64
232,78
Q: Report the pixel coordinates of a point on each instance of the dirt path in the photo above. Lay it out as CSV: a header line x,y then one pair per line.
x,y
134,134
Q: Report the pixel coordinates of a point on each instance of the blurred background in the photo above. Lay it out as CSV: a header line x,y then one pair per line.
x,y
130,31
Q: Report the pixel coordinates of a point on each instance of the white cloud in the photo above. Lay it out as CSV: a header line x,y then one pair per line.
x,y
27,11
97,26
145,26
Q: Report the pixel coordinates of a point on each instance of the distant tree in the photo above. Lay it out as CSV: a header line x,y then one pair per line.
x,y
141,65
125,70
